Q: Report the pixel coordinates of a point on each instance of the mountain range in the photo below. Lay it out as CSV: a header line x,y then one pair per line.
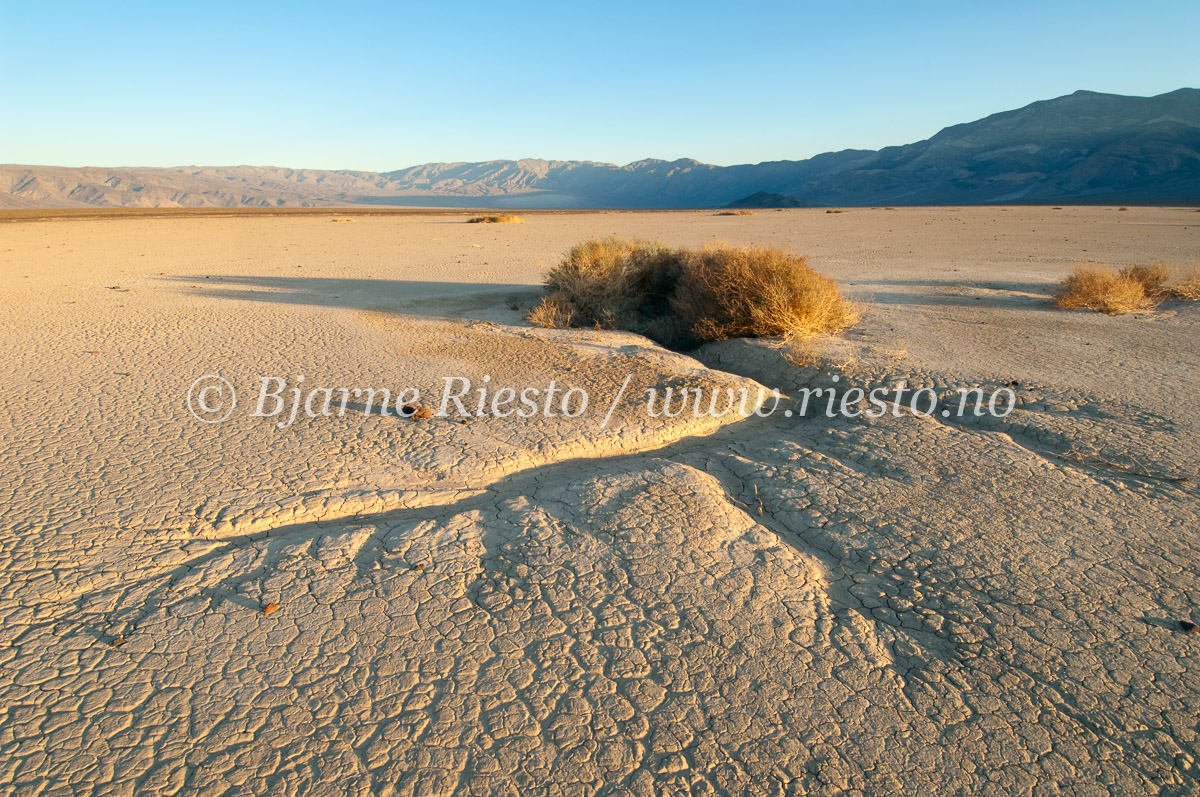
x,y
1084,147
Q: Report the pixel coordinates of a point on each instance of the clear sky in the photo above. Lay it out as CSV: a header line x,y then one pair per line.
x,y
381,86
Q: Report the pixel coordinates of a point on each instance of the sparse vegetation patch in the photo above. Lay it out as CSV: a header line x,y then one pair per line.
x,y
1186,286
1153,279
683,297
1132,289
500,219
1103,290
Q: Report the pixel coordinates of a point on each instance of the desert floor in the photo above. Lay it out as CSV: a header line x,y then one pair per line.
x,y
760,605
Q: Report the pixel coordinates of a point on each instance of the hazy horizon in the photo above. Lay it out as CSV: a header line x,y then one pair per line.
x,y
403,167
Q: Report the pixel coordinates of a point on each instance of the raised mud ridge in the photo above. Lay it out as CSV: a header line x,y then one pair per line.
x,y
780,606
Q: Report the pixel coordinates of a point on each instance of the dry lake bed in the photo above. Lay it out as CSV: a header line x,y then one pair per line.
x,y
201,597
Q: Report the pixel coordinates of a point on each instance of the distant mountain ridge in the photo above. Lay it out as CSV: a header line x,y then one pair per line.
x,y
1086,146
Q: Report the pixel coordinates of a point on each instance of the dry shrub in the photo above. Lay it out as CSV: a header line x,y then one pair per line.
x,y
1186,286
802,352
1153,279
501,219
610,284
757,291
1102,289
736,213
682,297
551,314
1134,288
823,353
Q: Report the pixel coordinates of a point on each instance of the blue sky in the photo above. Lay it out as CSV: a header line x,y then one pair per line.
x,y
379,86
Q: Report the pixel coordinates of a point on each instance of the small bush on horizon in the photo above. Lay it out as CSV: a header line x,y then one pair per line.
x,y
500,219
736,213
684,297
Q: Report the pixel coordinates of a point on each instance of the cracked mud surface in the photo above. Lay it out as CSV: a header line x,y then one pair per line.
x,y
774,605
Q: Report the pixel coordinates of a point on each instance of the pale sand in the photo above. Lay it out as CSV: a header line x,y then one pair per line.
x,y
772,606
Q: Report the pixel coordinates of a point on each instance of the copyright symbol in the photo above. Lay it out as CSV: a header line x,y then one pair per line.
x,y
210,395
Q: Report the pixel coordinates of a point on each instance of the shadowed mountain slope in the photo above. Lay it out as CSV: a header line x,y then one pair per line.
x,y
1086,147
